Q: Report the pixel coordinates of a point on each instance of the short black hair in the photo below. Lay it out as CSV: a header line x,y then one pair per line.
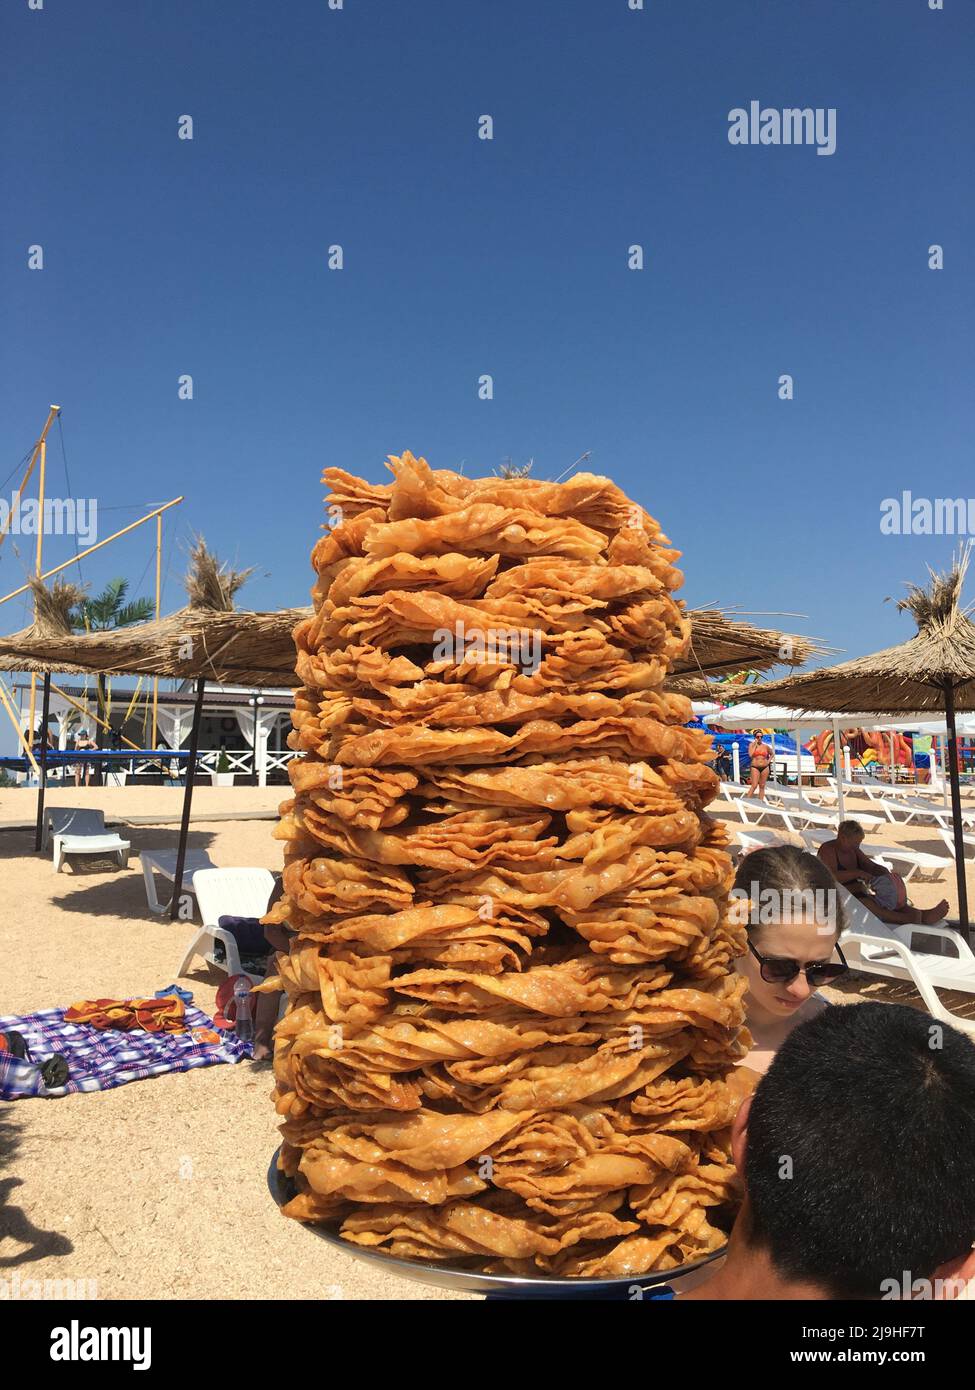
x,y
860,1150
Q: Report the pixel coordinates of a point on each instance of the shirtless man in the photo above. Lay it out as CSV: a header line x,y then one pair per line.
x,y
849,865
761,762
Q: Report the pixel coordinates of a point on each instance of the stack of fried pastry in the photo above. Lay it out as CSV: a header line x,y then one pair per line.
x,y
512,1007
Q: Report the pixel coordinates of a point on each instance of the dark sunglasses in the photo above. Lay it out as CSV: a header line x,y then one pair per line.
x,y
778,970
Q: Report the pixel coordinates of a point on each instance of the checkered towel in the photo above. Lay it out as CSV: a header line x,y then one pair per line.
x,y
99,1059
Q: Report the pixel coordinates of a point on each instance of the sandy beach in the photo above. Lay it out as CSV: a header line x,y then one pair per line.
x,y
157,1189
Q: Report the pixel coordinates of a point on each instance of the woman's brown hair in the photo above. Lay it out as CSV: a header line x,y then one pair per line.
x,y
782,878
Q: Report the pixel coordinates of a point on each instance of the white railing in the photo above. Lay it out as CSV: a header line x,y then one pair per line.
x,y
116,770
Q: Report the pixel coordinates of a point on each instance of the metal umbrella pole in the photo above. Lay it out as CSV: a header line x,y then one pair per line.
x,y
42,779
956,824
187,799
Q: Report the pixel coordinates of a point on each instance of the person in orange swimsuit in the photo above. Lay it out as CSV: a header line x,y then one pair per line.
x,y
761,765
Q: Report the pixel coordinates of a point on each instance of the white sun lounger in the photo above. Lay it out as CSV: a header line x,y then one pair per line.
x,y
163,862
794,816
729,790
912,809
968,843
876,948
906,862
920,790
750,837
77,830
817,795
226,893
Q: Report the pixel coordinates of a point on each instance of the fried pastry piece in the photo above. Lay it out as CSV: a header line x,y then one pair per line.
x,y
344,887
689,1103
349,493
420,491
367,798
459,576
483,528
467,840
572,784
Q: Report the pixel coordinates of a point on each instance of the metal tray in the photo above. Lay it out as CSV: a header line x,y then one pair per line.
x,y
472,1281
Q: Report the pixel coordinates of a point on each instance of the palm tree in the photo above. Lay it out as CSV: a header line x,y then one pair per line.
x,y
104,613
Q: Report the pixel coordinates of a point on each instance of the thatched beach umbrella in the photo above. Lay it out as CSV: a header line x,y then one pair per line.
x,y
722,645
207,640
251,648
932,672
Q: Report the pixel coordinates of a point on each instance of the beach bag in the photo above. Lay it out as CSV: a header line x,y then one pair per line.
x,y
889,890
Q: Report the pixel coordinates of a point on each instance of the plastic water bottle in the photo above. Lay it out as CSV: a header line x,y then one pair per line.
x,y
244,1024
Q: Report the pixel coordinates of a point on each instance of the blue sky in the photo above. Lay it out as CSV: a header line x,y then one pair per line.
x,y
509,257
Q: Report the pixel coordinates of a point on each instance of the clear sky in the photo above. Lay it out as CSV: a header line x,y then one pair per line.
x,y
463,257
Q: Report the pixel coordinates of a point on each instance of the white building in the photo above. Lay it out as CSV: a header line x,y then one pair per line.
x,y
227,724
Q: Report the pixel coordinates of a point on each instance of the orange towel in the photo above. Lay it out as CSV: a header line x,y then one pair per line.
x,y
163,1015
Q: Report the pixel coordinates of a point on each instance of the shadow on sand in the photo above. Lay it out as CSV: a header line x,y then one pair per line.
x,y
15,1226
120,892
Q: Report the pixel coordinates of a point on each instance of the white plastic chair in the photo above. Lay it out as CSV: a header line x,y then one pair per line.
x,y
967,841
163,862
911,809
226,893
753,837
729,790
876,948
794,816
752,809
81,830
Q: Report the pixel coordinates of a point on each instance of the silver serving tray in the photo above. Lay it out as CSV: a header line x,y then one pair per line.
x,y
472,1281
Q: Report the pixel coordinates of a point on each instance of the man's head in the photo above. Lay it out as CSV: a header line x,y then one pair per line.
x,y
857,1153
850,832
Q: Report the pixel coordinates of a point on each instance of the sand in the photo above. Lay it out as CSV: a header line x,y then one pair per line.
x,y
157,1189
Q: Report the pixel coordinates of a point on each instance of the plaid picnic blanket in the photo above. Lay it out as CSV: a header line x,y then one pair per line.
x,y
99,1059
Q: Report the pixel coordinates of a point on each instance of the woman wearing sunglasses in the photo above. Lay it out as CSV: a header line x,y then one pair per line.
x,y
788,903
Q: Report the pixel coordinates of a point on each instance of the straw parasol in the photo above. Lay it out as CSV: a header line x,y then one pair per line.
x,y
207,639
725,645
234,646
932,672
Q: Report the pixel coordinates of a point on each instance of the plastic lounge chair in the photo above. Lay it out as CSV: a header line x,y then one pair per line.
x,y
77,830
226,893
163,862
753,837
752,810
729,790
791,795
876,948
815,815
912,809
968,843
906,862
